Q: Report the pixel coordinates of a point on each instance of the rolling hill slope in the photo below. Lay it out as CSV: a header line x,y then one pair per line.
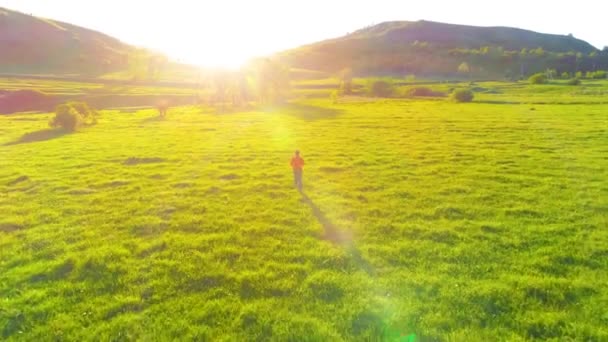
x,y
36,45
426,47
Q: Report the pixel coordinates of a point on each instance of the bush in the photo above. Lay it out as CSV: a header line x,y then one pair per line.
x,y
72,115
574,81
333,96
423,92
565,75
381,88
599,75
539,78
462,95
67,118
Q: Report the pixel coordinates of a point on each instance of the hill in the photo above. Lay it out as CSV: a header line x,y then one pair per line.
x,y
432,48
37,45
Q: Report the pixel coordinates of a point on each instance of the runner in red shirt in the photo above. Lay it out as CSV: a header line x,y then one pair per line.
x,y
297,163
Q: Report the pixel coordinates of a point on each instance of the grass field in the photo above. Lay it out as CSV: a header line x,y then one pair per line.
x,y
420,220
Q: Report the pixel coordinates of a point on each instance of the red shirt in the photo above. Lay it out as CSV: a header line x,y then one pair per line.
x,y
297,163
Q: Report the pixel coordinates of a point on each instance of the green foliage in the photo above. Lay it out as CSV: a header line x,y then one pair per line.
x,y
381,88
599,75
565,75
66,118
464,68
72,115
346,81
333,96
452,59
574,81
539,78
462,95
272,80
423,92
579,74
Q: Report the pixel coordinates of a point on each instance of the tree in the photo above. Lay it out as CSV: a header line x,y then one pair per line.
x,y
381,88
539,78
346,81
138,64
464,68
72,115
462,95
272,80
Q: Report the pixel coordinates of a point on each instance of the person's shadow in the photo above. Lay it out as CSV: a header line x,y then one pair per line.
x,y
337,236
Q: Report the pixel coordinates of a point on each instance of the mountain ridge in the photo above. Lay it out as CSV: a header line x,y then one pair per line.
x,y
427,47
40,44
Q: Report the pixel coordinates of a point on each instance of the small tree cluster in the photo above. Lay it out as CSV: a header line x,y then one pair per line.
x,y
462,95
381,88
73,115
423,92
597,75
539,78
346,81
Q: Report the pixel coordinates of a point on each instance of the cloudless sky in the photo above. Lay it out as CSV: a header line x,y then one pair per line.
x,y
228,32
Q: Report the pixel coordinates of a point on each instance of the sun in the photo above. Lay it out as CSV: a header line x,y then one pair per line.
x,y
227,59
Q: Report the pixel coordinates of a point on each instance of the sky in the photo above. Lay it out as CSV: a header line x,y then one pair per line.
x,y
227,33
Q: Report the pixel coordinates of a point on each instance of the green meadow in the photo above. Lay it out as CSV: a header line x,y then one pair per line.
x,y
420,220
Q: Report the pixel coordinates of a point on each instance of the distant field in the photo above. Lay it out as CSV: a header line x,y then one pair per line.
x,y
420,220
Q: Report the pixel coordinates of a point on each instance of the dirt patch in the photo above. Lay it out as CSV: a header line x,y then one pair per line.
x,y
331,169
230,176
25,101
137,161
8,227
213,190
183,185
114,184
18,180
81,192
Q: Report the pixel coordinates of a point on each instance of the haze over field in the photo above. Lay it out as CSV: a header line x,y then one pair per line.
x,y
228,33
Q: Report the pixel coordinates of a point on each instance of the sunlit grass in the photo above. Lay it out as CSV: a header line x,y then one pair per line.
x,y
447,221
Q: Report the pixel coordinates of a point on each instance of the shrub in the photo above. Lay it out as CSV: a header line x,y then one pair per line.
x,y
565,75
67,118
423,92
539,78
599,75
72,115
574,81
381,88
334,96
462,95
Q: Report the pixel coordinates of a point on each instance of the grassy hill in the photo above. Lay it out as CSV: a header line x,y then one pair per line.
x,y
432,48
37,45
471,37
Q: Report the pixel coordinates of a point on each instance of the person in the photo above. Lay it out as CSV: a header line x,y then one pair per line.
x,y
296,164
